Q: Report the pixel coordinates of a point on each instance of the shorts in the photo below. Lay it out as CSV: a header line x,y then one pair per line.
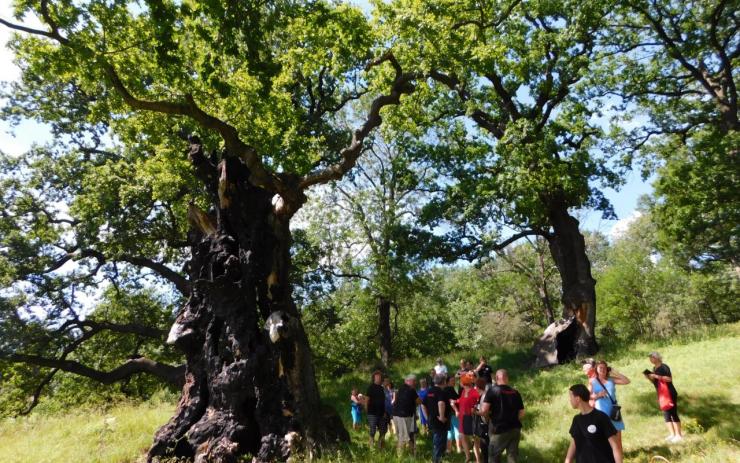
x,y
454,431
356,416
467,425
671,415
377,423
404,428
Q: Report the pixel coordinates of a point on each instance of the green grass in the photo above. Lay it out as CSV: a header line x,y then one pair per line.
x,y
705,364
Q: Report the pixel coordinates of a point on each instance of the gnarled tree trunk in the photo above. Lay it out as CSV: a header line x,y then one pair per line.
x,y
249,385
568,249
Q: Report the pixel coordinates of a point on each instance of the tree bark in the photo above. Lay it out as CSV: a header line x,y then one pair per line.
x,y
568,249
384,330
542,287
249,386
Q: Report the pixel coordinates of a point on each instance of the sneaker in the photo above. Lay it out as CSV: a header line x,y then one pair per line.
x,y
669,438
677,438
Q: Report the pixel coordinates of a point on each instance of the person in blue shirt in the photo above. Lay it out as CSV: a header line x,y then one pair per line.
x,y
604,393
423,389
356,408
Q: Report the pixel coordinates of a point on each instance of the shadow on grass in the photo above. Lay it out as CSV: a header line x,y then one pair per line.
x,y
532,452
659,449
713,410
707,411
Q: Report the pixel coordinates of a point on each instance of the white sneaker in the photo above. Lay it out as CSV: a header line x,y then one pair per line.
x,y
669,438
677,438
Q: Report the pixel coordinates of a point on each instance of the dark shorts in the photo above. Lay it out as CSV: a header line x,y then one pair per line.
x,y
377,423
671,415
468,425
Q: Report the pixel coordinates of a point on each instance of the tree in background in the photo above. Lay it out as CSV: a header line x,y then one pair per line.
x,y
367,225
264,85
504,76
648,295
676,66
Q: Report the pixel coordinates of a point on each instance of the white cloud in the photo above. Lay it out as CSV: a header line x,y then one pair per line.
x,y
622,225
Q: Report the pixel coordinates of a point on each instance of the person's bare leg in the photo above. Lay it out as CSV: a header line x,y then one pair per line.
x,y
466,447
669,425
476,449
677,428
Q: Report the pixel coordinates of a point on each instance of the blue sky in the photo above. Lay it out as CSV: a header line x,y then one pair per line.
x,y
16,140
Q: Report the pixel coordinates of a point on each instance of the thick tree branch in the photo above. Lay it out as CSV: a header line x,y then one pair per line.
x,y
125,328
402,85
180,282
503,94
174,375
482,118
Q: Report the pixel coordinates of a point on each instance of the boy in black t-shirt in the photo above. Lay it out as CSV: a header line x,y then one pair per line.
x,y
437,409
593,437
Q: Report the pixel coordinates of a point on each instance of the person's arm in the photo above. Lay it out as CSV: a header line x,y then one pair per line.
x,y
572,452
596,395
441,408
485,409
616,451
619,378
665,379
521,414
453,404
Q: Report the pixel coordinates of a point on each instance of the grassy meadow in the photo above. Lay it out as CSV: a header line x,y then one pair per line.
x,y
705,364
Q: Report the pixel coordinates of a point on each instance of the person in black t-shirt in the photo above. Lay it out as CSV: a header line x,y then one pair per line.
x,y
375,404
593,437
504,407
453,433
405,401
662,373
437,408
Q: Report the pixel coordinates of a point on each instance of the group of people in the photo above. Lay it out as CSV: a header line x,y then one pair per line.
x,y
483,417
596,432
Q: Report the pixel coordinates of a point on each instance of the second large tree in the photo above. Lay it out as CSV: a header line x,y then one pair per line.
x,y
505,74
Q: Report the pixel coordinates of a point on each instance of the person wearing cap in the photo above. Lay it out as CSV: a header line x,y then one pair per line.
x,y
662,374
405,401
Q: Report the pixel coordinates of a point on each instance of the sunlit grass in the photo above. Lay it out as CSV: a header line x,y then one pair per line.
x,y
705,364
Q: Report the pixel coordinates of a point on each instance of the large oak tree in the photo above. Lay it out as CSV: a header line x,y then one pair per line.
x,y
256,89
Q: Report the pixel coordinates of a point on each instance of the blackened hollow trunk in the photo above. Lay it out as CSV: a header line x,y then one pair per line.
x,y
542,287
568,249
384,330
249,385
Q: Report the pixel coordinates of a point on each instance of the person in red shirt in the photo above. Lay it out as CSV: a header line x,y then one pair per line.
x,y
469,398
